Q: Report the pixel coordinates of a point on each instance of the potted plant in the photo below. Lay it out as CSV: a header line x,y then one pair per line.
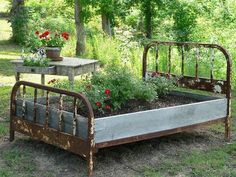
x,y
53,42
36,63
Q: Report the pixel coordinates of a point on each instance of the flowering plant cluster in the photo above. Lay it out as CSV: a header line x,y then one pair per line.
x,y
52,39
163,83
110,89
37,59
105,104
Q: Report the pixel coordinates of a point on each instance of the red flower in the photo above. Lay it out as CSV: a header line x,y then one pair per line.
x,y
65,35
108,107
107,92
46,33
99,104
37,33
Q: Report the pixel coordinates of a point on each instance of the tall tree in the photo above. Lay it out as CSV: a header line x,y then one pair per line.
x,y
147,9
18,20
106,11
80,30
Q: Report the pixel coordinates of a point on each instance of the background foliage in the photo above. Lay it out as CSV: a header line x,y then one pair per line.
x,y
133,23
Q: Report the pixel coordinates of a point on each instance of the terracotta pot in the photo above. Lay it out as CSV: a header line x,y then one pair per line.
x,y
53,53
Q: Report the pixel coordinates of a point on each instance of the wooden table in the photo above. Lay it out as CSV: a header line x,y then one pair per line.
x,y
70,67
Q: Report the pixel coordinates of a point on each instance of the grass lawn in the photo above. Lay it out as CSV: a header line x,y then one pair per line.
x,y
22,158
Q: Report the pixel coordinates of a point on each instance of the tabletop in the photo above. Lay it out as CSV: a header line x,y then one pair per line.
x,y
67,61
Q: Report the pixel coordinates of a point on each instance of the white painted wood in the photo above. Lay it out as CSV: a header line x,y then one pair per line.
x,y
139,123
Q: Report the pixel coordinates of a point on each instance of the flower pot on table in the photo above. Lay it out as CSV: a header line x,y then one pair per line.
x,y
53,53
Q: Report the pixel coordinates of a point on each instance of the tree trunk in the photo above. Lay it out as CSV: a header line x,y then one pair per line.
x,y
106,25
16,13
147,10
80,31
17,6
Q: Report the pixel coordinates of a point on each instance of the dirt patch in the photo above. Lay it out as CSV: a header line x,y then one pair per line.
x,y
120,161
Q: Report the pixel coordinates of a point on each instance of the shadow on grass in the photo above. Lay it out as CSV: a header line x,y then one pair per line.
x,y
9,48
6,68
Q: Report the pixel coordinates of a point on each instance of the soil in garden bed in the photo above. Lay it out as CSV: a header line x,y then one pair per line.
x,y
133,106
140,105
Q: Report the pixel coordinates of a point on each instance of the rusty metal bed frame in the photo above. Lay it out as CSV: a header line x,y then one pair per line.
x,y
87,147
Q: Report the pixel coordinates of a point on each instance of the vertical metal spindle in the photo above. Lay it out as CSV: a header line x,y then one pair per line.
x,y
35,102
61,112
157,56
47,110
169,61
182,64
212,63
196,67
74,116
24,103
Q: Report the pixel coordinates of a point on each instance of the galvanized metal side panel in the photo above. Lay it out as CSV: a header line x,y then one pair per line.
x,y
139,123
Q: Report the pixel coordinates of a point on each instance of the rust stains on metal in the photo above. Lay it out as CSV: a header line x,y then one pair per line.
x,y
85,148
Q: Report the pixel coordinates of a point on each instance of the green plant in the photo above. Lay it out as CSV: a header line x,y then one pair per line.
x,y
163,85
51,39
19,23
35,59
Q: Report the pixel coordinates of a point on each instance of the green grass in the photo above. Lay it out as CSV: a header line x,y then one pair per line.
x,y
216,162
18,162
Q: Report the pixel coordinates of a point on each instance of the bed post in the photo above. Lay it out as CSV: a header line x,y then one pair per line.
x,y
13,110
91,142
228,96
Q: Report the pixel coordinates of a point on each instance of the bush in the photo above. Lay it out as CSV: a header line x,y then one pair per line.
x,y
163,85
123,86
111,88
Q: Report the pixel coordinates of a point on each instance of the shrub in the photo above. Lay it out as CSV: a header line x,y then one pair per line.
x,y
123,86
113,87
163,85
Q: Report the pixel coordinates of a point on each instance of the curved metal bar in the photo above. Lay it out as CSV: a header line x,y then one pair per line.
x,y
54,90
199,45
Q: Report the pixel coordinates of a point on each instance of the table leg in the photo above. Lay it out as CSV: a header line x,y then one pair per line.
x,y
17,77
42,82
71,81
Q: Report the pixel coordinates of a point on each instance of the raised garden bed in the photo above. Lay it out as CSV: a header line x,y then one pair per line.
x,y
178,109
76,129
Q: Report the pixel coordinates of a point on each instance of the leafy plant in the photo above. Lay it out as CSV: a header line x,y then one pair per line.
x,y
163,85
111,88
35,59
51,39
